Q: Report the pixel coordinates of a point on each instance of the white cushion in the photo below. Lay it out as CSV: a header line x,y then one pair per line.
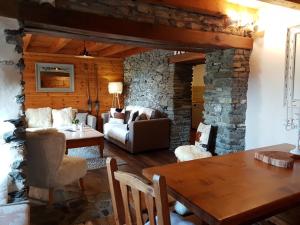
x,y
147,111
82,117
118,132
40,117
175,219
115,121
190,152
62,117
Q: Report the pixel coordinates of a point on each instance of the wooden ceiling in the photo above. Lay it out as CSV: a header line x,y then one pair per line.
x,y
53,45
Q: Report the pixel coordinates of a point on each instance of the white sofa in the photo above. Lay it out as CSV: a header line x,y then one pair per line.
x,y
56,118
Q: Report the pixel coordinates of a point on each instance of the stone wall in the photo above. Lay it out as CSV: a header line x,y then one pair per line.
x,y
151,81
226,83
12,107
154,14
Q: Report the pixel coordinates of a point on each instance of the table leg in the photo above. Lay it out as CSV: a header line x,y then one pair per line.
x,y
101,148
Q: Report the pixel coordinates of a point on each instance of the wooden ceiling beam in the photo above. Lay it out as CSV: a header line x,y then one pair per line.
x,y
59,44
114,49
216,8
53,55
294,4
188,57
26,41
93,46
211,7
130,52
47,20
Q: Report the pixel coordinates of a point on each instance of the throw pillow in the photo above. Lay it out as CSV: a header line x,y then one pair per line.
x,y
143,116
119,115
115,110
133,116
127,116
62,117
40,117
116,121
202,136
82,117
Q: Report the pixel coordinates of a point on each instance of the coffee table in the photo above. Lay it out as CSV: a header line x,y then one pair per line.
x,y
87,137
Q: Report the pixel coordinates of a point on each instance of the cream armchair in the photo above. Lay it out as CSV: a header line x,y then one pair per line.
x,y
48,166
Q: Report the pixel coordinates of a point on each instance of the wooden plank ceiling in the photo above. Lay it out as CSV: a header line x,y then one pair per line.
x,y
34,43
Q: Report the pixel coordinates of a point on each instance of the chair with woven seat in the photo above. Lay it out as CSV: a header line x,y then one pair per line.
x,y
123,184
200,149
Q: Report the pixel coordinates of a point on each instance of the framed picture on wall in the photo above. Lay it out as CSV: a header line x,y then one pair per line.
x,y
54,77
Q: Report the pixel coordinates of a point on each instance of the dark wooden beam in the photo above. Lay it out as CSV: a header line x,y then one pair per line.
x,y
26,41
216,8
114,49
211,7
59,44
188,57
68,23
130,52
294,4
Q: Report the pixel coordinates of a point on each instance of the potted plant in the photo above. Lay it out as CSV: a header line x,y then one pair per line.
x,y
75,123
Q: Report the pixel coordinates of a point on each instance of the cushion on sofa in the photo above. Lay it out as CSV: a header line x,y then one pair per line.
x,y
118,132
40,117
82,117
150,113
202,136
62,117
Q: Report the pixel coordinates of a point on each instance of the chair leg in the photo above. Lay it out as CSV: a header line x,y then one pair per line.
x,y
81,183
51,196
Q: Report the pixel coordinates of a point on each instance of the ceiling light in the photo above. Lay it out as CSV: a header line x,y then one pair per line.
x,y
84,53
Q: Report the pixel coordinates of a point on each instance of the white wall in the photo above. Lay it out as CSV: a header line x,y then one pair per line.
x,y
265,116
9,75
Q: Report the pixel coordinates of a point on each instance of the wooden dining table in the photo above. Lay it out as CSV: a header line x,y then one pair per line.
x,y
233,188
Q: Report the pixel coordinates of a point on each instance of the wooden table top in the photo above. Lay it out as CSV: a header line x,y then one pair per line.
x,y
234,188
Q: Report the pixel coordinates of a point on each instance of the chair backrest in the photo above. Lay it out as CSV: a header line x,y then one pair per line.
x,y
125,186
46,150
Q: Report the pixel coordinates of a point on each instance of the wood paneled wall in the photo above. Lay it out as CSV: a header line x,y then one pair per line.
x,y
108,70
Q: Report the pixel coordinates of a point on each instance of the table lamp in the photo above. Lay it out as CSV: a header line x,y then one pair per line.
x,y
115,88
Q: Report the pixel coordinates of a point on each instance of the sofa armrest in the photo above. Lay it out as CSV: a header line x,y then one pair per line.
x,y
105,117
149,134
92,121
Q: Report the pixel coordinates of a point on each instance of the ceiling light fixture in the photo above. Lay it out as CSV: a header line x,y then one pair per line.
x,y
84,53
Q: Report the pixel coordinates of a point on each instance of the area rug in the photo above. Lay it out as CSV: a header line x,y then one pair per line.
x,y
92,156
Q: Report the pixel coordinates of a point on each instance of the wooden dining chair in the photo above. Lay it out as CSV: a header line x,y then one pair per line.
x,y
123,184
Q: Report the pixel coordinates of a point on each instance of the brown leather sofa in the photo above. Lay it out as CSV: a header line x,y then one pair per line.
x,y
143,135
